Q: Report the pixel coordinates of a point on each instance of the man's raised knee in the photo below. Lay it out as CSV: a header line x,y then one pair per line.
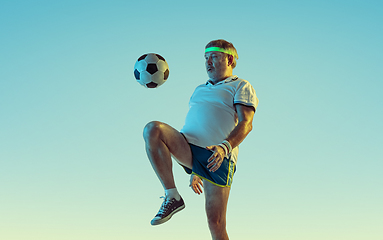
x,y
152,130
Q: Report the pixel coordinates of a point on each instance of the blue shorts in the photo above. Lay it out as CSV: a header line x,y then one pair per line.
x,y
223,177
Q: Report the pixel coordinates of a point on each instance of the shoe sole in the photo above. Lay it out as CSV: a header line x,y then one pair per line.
x,y
163,220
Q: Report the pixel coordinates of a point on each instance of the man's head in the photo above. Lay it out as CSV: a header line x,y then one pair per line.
x,y
220,57
227,46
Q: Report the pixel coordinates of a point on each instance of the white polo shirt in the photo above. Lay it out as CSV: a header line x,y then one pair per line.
x,y
212,115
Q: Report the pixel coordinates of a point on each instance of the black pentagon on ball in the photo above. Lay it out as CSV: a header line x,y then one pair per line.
x,y
152,68
151,85
136,74
166,74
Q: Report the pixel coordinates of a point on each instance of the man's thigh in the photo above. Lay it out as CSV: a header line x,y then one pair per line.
x,y
216,199
177,144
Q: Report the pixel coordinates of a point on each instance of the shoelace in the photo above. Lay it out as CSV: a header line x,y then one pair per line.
x,y
164,206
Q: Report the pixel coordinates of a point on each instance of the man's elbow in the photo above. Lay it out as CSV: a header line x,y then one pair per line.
x,y
249,127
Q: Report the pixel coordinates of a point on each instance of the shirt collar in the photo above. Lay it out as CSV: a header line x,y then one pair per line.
x,y
229,79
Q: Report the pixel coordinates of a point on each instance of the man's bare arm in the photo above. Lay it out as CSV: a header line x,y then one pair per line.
x,y
244,126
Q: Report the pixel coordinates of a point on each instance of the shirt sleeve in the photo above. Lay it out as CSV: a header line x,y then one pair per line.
x,y
246,95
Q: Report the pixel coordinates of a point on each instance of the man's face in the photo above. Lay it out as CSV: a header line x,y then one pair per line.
x,y
216,65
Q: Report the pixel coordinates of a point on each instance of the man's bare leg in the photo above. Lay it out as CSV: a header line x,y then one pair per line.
x,y
162,141
216,199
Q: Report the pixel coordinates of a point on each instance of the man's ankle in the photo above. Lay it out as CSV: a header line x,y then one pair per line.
x,y
172,193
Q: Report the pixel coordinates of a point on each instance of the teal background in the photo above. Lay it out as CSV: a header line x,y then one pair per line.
x,y
72,158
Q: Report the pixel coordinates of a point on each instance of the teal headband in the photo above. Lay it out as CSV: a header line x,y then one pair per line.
x,y
218,49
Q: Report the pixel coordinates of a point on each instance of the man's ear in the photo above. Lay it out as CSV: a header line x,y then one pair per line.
x,y
230,60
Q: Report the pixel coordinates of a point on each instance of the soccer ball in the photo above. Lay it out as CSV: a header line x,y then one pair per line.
x,y
151,70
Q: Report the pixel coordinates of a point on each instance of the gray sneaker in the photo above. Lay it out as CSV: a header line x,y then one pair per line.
x,y
168,208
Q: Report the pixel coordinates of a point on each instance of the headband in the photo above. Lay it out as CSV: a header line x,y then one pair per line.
x,y
218,49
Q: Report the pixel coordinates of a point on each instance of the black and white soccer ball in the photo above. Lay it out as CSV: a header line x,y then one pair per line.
x,y
151,70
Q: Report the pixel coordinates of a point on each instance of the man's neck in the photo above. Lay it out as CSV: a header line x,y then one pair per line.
x,y
215,81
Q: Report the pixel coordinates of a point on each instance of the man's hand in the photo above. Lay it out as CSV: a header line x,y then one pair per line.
x,y
216,158
196,184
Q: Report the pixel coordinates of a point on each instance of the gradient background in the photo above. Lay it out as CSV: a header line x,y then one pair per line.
x,y
72,158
